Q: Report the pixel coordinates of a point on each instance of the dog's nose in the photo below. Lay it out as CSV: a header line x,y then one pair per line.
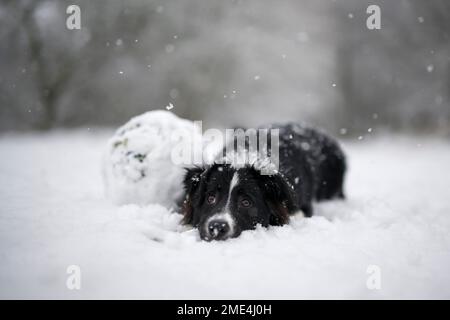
x,y
218,229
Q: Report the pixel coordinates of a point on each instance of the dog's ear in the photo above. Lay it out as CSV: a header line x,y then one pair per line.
x,y
192,179
280,198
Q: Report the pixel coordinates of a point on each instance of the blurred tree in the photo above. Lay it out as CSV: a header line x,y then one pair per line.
x,y
396,77
226,62
58,61
50,85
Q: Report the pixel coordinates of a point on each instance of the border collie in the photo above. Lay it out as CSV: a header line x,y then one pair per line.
x,y
222,199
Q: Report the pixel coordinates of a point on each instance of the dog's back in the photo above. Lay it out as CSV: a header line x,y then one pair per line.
x,y
312,161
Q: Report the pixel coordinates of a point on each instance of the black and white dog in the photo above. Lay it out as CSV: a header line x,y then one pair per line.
x,y
223,200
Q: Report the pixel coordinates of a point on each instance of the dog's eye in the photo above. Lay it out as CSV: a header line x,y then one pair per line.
x,y
211,199
246,203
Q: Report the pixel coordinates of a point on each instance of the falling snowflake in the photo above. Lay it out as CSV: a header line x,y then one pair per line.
x,y
170,48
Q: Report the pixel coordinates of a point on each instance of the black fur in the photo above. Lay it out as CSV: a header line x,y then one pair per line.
x,y
311,167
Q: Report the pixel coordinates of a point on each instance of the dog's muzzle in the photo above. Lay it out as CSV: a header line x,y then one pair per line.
x,y
218,229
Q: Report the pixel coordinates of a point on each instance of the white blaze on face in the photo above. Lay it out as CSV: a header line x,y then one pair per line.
x,y
226,215
234,182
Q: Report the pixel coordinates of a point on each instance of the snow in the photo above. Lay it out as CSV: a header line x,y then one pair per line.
x,y
138,166
53,214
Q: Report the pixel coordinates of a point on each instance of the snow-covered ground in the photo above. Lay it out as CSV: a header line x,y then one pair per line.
x,y
53,214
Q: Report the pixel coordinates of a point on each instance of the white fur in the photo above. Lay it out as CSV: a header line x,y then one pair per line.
x,y
234,182
226,215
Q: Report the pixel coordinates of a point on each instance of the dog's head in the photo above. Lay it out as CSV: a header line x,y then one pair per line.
x,y
222,201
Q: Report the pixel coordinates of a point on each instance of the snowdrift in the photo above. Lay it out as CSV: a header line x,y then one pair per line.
x,y
53,214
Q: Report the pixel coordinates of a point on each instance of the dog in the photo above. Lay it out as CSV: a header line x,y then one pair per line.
x,y
222,199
